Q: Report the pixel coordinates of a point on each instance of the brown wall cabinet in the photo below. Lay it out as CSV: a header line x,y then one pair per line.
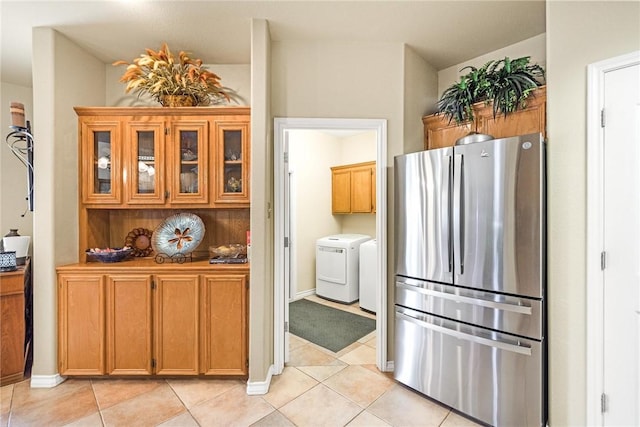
x,y
353,188
164,157
187,320
439,132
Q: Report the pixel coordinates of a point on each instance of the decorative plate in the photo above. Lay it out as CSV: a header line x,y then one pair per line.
x,y
139,239
178,234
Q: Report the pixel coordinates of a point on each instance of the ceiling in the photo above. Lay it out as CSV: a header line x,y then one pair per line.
x,y
444,33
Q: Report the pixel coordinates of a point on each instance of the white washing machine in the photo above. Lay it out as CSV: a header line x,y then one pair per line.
x,y
368,274
337,266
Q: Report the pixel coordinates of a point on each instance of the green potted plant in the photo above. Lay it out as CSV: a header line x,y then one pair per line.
x,y
172,82
505,82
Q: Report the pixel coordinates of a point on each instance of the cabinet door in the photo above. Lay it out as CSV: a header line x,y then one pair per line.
x,y
176,325
361,200
224,325
144,175
81,324
129,325
188,166
12,326
440,132
341,191
101,172
232,163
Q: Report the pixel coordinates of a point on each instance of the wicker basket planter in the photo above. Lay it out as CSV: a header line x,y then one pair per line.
x,y
177,101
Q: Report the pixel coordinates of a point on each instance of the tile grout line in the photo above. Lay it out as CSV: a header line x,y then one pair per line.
x,y
93,390
184,405
10,414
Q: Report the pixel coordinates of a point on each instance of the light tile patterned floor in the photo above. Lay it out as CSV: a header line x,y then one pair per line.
x,y
317,388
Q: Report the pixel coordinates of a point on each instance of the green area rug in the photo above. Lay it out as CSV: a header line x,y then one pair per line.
x,y
328,327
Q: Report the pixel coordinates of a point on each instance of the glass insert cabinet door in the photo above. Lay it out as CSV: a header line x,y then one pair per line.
x,y
101,160
189,165
145,169
232,180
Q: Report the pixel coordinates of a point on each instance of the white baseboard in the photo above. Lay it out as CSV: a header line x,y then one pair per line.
x,y
260,387
303,294
390,366
46,381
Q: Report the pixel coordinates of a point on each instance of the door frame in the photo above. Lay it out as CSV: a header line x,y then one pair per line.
x,y
281,128
595,229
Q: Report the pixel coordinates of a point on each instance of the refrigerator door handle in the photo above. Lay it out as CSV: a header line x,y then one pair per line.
x,y
519,348
513,308
458,206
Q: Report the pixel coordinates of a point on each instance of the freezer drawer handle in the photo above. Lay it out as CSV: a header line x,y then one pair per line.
x,y
520,348
514,308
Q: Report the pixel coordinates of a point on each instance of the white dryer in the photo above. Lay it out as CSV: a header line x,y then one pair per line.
x,y
368,275
337,266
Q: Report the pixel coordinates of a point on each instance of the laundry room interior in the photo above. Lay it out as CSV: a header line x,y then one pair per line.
x,y
327,247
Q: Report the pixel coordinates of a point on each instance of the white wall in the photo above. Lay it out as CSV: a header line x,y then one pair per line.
x,y
535,47
55,237
261,338
420,98
311,155
357,149
346,80
578,33
13,174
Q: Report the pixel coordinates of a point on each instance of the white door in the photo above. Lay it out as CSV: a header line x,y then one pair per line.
x,y
621,238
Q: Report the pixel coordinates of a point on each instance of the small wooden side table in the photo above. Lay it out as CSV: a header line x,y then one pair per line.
x,y
13,324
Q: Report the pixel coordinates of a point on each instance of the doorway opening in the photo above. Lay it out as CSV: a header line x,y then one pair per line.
x,y
285,257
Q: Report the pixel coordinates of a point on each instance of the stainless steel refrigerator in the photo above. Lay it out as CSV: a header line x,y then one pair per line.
x,y
470,316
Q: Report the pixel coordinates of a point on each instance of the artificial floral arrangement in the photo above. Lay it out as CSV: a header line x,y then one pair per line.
x,y
505,82
162,76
